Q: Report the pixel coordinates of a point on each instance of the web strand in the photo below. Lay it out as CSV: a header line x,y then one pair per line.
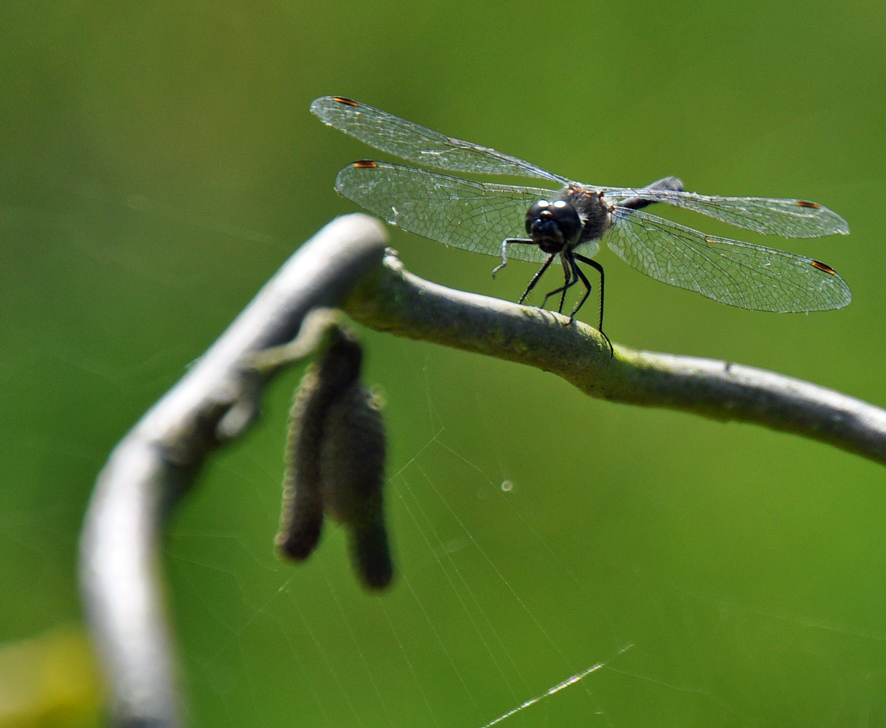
x,y
557,688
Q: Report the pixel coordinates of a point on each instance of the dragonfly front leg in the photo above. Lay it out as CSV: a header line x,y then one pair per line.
x,y
504,251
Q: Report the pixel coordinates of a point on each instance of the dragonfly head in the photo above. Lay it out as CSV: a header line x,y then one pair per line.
x,y
553,225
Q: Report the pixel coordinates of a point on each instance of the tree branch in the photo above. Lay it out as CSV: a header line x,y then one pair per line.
x,y
159,458
401,303
219,397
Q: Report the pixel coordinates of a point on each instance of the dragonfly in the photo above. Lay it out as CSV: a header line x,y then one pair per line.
x,y
566,222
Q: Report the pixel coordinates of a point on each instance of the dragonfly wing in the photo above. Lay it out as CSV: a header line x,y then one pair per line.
x,y
414,143
729,271
769,216
475,216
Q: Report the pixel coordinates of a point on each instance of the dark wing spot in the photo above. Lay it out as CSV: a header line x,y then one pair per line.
x,y
365,164
823,268
803,203
345,101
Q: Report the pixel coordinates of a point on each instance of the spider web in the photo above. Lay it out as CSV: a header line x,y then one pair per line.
x,y
529,590
459,640
515,604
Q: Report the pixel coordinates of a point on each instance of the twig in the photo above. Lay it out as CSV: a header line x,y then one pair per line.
x,y
403,304
159,458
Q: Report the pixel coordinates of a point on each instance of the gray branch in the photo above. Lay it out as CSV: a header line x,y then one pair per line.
x,y
157,461
403,304
159,458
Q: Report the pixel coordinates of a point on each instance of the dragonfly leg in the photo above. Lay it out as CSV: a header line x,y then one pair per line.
x,y
504,251
537,276
583,278
570,279
599,268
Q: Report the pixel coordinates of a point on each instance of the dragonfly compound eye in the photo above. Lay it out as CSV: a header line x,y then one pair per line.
x,y
553,225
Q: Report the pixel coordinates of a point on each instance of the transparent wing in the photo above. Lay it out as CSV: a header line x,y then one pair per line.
x,y
475,216
788,218
729,271
414,143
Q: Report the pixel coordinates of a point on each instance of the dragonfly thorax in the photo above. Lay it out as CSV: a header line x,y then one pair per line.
x,y
553,225
592,208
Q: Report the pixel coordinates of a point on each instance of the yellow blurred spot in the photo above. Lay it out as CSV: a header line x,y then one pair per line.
x,y
49,681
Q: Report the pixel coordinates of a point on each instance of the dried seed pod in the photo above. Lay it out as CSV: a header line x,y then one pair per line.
x,y
302,512
352,478
301,518
336,452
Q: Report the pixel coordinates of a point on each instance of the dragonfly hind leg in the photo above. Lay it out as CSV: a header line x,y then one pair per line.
x,y
599,268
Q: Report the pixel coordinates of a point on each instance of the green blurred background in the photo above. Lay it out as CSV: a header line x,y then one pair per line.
x,y
158,163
